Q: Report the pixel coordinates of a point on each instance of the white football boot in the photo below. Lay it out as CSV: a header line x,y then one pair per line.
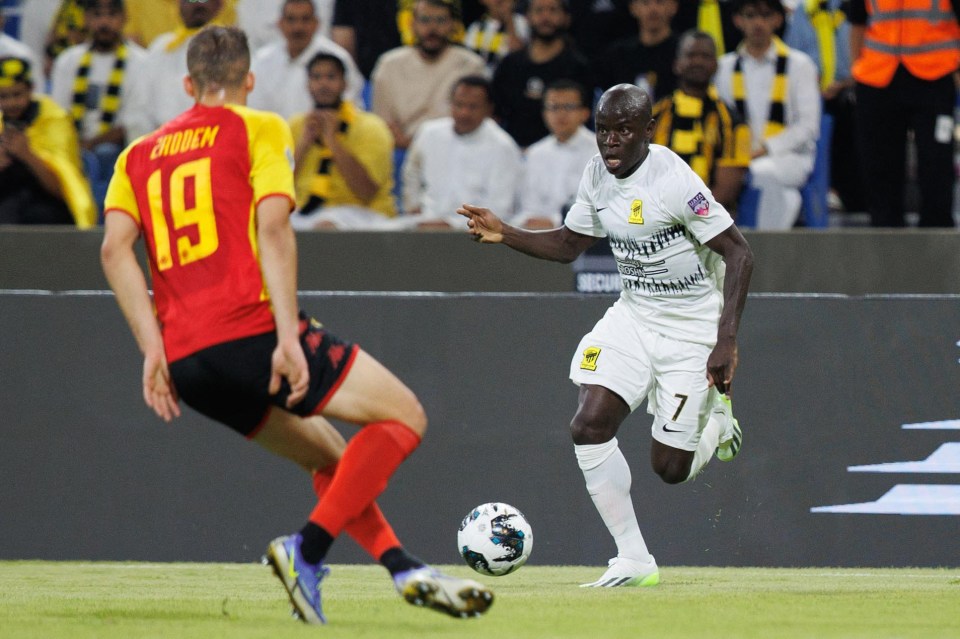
x,y
626,572
731,437
432,589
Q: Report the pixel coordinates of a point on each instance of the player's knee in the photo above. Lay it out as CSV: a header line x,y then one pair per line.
x,y
585,429
673,470
414,416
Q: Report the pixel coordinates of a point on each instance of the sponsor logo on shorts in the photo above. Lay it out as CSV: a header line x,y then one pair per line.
x,y
590,356
699,205
636,212
335,354
313,341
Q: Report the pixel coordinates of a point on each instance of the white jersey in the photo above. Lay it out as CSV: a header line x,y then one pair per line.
x,y
657,221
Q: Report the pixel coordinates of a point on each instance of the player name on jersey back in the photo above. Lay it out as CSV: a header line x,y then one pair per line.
x,y
202,137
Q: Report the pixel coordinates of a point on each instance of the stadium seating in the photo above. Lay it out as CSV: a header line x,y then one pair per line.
x,y
814,210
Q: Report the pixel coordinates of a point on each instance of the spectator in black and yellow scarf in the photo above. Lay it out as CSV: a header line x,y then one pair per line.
x,y
41,181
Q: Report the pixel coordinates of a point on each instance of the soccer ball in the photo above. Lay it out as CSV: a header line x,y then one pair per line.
x,y
495,539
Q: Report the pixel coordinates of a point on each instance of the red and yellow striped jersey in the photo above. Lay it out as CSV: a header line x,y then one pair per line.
x,y
193,186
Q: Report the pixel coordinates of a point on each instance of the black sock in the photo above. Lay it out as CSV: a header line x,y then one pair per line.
x,y
316,543
397,560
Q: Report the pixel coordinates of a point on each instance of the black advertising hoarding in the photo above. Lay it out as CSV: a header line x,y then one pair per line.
x,y
849,405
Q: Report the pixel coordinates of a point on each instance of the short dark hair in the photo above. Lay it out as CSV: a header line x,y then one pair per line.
x,y
323,56
565,84
218,57
564,4
475,80
89,5
773,5
312,4
694,34
452,5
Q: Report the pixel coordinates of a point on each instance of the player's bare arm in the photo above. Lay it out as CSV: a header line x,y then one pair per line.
x,y
557,245
278,260
738,257
129,284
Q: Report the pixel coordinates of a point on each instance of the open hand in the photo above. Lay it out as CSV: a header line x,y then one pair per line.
x,y
158,391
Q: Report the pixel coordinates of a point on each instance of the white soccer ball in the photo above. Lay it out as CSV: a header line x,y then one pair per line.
x,y
495,539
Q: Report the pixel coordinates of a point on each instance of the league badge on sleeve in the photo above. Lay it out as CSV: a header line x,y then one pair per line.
x,y
699,205
590,356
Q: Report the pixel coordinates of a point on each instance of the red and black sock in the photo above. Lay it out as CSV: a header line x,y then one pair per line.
x,y
369,460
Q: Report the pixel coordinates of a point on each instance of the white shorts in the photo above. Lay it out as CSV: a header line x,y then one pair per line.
x,y
624,357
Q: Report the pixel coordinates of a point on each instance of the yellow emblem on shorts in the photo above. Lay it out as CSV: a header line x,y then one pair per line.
x,y
589,362
636,212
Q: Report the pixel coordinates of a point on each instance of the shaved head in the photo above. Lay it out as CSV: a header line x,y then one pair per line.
x,y
626,101
624,127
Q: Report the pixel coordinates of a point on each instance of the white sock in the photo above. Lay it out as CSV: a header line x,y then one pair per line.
x,y
607,476
709,439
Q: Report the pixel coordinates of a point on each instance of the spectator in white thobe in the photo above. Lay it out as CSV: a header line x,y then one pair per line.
x,y
460,159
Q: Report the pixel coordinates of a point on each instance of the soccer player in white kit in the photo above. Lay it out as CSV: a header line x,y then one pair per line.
x,y
671,337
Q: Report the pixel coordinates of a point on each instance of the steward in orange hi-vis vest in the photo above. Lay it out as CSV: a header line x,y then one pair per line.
x,y
922,35
907,53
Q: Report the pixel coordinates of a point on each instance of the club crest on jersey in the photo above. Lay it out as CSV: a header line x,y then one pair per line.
x,y
699,205
636,212
590,356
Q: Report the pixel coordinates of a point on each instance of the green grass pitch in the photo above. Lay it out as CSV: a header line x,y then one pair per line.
x,y
237,601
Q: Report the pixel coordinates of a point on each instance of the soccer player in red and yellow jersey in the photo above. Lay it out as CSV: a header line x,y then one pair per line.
x,y
211,193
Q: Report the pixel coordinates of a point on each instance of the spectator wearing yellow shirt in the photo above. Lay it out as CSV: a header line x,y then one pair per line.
x,y
146,19
67,29
157,97
41,181
344,156
405,19
696,125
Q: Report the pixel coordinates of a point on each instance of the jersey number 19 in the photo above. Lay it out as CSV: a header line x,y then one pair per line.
x,y
200,214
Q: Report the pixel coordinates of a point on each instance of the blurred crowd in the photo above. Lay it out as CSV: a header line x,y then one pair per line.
x,y
793,112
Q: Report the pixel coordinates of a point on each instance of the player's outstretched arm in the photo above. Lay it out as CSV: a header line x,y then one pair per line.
x,y
129,284
738,258
558,245
278,260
